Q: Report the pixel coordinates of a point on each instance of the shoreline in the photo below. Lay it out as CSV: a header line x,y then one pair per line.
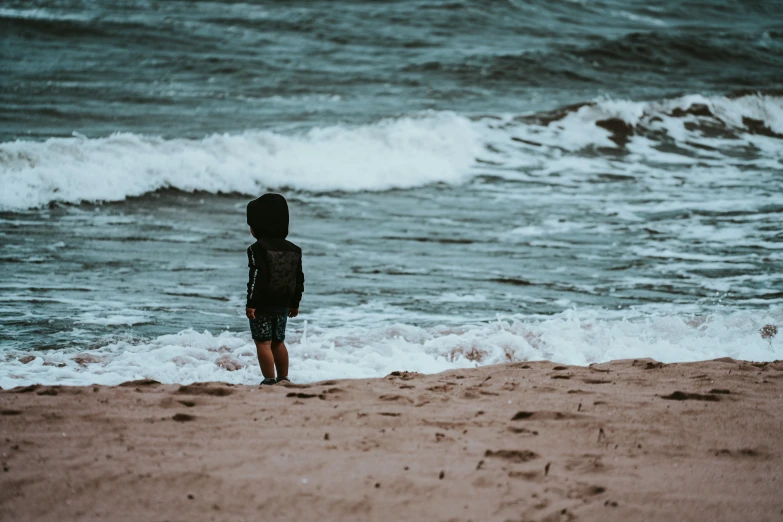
x,y
623,440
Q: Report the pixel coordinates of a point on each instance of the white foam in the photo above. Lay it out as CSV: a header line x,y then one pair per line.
x,y
572,337
399,153
113,319
561,140
42,14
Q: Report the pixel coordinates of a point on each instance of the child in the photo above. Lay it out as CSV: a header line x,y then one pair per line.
x,y
276,283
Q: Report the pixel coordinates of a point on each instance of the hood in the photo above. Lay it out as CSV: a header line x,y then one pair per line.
x,y
268,216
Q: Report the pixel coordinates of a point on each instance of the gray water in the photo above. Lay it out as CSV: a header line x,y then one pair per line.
x,y
181,68
445,162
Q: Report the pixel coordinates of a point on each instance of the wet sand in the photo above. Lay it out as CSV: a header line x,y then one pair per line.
x,y
626,440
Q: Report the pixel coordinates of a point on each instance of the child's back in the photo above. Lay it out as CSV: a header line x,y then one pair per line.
x,y
275,284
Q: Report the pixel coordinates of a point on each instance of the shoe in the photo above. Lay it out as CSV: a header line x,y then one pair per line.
x,y
269,380
281,379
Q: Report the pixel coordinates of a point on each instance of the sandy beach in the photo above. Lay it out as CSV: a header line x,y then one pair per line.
x,y
625,440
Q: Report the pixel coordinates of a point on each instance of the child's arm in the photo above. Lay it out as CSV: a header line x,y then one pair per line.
x,y
293,308
253,283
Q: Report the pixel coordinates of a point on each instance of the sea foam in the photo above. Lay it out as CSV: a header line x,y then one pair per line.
x,y
395,153
571,337
407,152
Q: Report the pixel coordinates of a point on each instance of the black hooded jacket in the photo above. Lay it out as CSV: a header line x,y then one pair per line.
x,y
276,278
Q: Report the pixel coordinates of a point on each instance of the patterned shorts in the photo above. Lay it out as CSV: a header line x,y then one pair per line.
x,y
268,326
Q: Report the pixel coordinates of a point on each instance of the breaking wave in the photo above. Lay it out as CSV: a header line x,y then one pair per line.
x,y
605,136
572,337
395,153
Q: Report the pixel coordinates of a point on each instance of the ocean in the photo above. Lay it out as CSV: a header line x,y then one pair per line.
x,y
472,182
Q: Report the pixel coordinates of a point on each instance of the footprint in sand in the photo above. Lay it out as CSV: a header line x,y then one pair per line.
x,y
200,388
331,392
746,452
526,475
397,398
684,396
587,463
523,431
442,436
300,395
544,415
441,388
584,490
512,455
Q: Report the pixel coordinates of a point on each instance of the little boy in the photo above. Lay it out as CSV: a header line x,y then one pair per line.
x,y
276,283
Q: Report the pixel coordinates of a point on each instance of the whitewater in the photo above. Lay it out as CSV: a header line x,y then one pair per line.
x,y
571,337
563,157
401,153
471,183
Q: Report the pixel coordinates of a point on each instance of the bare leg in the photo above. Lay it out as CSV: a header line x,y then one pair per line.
x,y
265,358
280,353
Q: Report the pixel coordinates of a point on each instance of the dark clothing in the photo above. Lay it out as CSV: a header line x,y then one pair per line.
x,y
268,326
276,279
268,216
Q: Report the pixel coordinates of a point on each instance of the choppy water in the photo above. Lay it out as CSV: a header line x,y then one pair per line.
x,y
471,182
